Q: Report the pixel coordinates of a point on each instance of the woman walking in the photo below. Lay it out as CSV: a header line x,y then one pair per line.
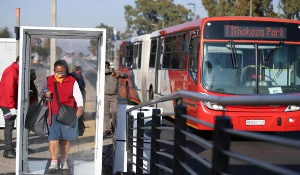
x,y
68,93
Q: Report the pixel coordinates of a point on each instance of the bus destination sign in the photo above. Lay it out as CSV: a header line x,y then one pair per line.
x,y
236,31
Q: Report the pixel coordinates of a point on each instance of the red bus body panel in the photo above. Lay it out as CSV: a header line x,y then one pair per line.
x,y
276,119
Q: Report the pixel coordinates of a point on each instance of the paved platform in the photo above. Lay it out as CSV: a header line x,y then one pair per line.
x,y
81,153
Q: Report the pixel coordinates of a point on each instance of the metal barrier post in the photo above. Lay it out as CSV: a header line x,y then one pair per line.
x,y
140,143
179,139
129,143
155,134
221,140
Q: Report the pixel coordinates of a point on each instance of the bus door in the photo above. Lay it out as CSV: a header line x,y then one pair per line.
x,y
154,66
193,73
193,63
157,63
137,48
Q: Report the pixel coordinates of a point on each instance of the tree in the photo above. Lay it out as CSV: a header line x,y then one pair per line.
x,y
35,42
150,15
4,33
239,8
44,50
109,38
263,8
290,9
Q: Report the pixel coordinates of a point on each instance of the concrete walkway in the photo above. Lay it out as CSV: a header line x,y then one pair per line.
x,y
80,150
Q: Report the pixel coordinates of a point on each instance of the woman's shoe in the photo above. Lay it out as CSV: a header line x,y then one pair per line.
x,y
107,132
11,154
53,165
64,165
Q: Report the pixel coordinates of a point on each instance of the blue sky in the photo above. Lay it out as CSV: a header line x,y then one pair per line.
x,y
74,13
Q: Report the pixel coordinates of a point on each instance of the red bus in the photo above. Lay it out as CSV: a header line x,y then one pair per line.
x,y
222,56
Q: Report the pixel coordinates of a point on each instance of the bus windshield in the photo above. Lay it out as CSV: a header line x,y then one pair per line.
x,y
251,68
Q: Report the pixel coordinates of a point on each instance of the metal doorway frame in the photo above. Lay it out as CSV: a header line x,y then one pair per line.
x,y
28,32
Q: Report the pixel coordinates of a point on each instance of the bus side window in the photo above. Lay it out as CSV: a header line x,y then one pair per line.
x,y
153,53
176,52
135,55
193,61
166,60
175,60
123,57
140,55
185,48
168,44
129,56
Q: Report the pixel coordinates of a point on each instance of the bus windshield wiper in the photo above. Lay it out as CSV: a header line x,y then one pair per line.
x,y
272,53
233,54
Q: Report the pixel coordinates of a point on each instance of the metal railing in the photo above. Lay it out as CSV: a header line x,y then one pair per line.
x,y
179,150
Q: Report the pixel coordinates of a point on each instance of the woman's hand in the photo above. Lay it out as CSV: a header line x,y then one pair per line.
x,y
48,94
113,73
79,111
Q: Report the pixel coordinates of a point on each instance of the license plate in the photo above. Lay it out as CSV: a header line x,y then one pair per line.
x,y
255,122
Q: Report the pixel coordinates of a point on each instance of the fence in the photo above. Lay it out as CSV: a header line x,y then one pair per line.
x,y
178,150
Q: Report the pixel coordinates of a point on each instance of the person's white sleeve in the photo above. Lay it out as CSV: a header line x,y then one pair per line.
x,y
77,94
13,111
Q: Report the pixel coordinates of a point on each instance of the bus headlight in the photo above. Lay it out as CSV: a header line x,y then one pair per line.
x,y
214,106
291,108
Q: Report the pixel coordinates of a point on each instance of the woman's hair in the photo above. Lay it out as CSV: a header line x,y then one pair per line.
x,y
107,63
62,63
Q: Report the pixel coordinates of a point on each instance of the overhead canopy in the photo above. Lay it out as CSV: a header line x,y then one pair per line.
x,y
63,32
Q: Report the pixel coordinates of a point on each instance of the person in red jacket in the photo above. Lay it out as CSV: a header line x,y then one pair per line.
x,y
60,135
8,104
